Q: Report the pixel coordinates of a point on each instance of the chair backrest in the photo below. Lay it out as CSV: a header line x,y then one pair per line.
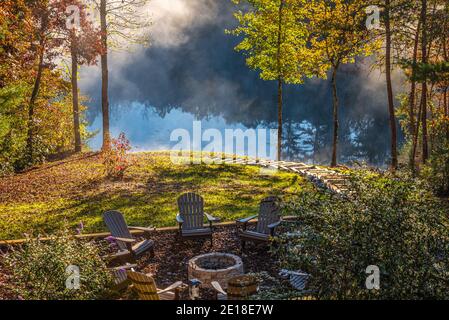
x,y
191,209
116,224
269,213
119,277
144,284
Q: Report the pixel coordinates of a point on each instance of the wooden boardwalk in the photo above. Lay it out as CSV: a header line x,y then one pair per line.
x,y
320,176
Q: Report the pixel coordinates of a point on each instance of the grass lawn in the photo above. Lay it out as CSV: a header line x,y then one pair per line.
x,y
76,190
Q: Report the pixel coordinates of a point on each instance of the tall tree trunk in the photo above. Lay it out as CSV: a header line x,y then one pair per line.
x,y
412,95
425,147
446,110
335,116
446,84
37,83
415,137
316,143
393,130
76,117
412,98
104,78
279,151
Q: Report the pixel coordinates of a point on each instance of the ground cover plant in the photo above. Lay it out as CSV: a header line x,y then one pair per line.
x,y
77,190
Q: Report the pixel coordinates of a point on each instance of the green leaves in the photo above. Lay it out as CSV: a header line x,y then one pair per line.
x,y
433,72
338,33
38,269
274,39
389,222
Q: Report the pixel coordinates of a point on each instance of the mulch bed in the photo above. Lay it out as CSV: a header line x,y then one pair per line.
x,y
173,253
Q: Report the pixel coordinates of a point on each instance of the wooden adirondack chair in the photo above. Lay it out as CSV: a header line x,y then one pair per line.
x,y
146,287
120,277
191,217
268,220
127,244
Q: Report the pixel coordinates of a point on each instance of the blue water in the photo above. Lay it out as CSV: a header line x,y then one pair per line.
x,y
156,90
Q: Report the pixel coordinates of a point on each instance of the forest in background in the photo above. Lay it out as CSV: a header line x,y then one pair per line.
x,y
288,41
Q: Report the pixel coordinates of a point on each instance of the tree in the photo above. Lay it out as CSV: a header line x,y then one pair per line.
x,y
121,22
425,151
392,118
275,38
49,17
84,45
15,52
339,36
31,53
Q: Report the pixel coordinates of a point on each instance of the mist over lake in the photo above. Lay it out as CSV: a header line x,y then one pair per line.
x,y
191,72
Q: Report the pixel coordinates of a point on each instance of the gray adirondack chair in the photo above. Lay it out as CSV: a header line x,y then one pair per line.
x,y
191,217
127,244
268,220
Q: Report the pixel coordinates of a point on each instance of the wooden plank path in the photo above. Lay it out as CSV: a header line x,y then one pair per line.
x,y
320,176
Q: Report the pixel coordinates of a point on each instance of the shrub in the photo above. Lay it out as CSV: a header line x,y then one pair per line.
x,y
436,172
116,160
388,222
39,269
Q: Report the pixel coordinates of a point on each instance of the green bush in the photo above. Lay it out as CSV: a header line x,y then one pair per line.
x,y
389,222
436,172
39,269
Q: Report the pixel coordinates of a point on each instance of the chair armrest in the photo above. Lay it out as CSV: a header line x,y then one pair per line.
x,y
120,255
149,229
246,220
179,219
174,286
211,218
126,240
218,287
125,267
274,225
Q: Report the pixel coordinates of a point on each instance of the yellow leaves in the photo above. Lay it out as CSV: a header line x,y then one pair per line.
x,y
338,34
274,39
302,39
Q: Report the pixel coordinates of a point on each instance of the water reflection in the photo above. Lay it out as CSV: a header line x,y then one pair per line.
x,y
166,87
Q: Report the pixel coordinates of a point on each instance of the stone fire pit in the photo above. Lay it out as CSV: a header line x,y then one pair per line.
x,y
215,266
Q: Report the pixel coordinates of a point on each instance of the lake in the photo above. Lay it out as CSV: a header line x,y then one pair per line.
x,y
191,72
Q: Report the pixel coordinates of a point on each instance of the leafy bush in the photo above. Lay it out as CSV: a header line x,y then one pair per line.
x,y
52,125
388,222
116,160
436,172
39,269
12,126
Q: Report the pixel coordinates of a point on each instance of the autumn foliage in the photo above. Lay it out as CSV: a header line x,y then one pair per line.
x,y
37,111
116,160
